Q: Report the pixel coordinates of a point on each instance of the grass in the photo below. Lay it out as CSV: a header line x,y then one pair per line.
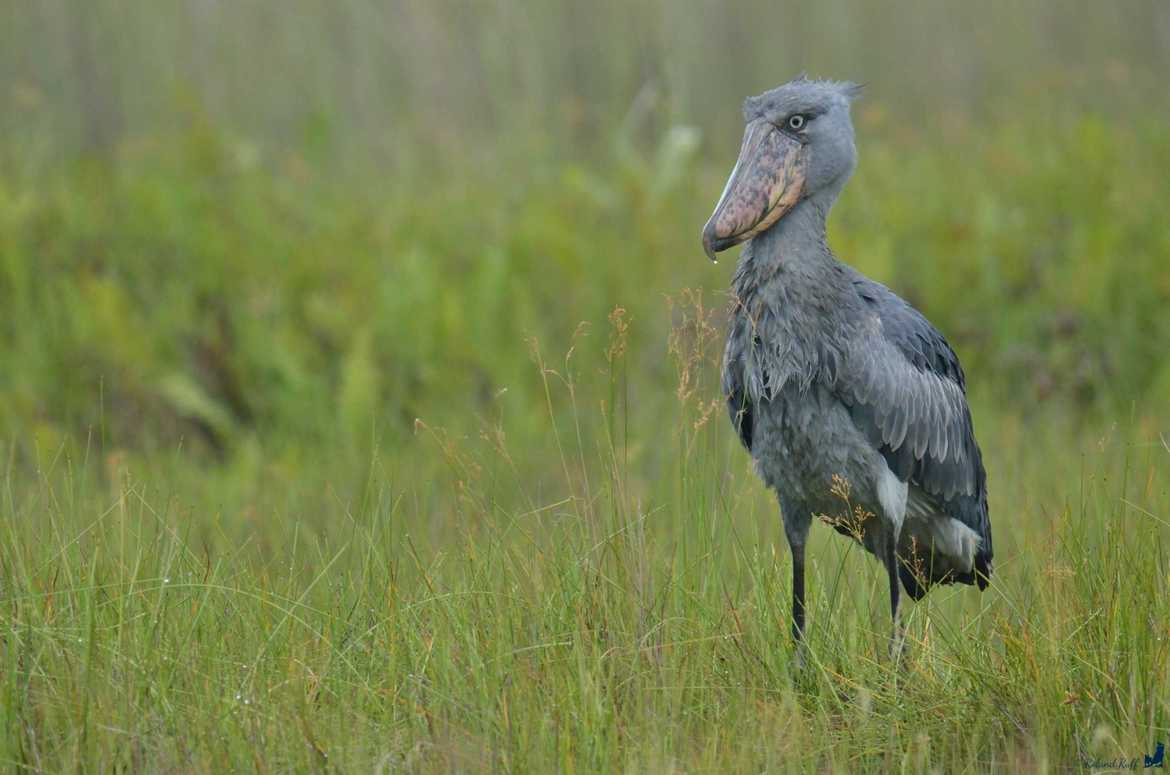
x,y
154,621
302,476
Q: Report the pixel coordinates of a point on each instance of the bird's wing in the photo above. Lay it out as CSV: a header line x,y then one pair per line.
x,y
906,391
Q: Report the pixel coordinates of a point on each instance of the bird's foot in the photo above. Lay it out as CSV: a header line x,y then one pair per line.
x,y
897,648
799,662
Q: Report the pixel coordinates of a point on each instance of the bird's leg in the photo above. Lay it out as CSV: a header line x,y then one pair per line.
x,y
897,632
797,521
798,605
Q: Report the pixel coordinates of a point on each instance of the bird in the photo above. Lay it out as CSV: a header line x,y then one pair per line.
x,y
851,404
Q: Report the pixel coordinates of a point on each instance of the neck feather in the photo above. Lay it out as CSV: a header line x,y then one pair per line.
x,y
793,253
787,292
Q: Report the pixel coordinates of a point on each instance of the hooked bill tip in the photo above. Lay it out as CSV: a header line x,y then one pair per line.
x,y
711,243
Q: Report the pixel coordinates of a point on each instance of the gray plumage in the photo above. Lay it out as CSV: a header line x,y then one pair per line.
x,y
830,374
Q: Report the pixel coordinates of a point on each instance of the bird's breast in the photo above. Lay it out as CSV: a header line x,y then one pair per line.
x,y
806,446
768,351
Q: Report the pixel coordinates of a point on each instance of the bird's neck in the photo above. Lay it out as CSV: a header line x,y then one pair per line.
x,y
790,263
793,299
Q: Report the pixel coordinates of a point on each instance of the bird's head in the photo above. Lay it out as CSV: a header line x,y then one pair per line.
x,y
798,143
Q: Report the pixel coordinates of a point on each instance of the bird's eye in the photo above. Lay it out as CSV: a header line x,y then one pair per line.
x,y
796,122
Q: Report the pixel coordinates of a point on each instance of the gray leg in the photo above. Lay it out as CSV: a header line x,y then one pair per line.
x,y
797,520
897,632
800,648
797,592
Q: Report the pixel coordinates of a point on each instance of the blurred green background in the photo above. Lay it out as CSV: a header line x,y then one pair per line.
x,y
359,397
307,221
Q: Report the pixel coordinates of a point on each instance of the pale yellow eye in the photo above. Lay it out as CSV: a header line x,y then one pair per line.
x,y
796,123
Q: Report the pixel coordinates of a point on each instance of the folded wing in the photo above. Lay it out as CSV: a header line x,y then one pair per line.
x,y
906,392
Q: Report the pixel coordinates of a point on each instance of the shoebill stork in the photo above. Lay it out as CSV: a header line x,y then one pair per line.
x,y
852,405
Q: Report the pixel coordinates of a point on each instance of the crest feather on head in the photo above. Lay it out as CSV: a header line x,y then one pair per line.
x,y
800,94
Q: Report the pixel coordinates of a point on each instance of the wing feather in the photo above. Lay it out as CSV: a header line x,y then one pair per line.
x,y
906,391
